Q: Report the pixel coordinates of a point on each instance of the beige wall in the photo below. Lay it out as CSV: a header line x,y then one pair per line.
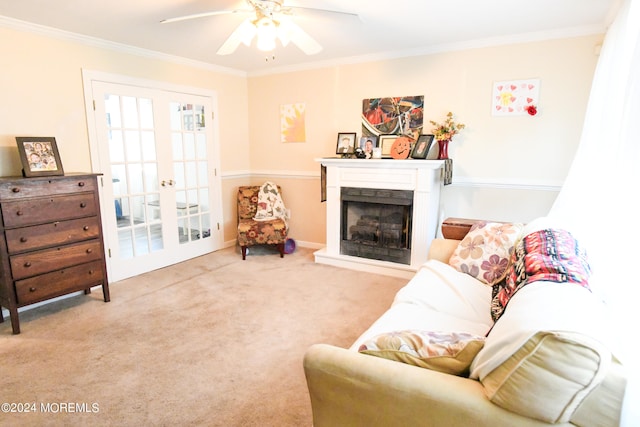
x,y
505,168
42,93
501,165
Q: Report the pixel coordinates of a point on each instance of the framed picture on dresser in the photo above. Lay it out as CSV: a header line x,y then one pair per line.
x,y
39,156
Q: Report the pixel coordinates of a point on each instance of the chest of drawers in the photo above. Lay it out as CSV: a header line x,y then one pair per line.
x,y
50,240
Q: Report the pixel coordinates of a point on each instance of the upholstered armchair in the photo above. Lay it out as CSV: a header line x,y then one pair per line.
x,y
252,232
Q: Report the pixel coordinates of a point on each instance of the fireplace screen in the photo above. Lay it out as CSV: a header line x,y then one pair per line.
x,y
376,224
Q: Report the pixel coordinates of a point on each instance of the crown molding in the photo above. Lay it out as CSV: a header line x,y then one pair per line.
x,y
42,30
441,48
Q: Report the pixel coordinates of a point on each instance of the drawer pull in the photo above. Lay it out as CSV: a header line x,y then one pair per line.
x,y
19,213
23,239
89,250
16,189
90,272
27,264
32,289
85,228
83,205
81,184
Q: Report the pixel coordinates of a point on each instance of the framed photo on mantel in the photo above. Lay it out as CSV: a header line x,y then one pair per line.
x,y
39,156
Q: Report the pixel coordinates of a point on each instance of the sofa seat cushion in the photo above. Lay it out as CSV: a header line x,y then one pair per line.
x,y
252,232
437,298
450,353
550,343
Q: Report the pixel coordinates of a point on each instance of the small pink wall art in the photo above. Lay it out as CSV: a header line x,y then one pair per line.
x,y
515,97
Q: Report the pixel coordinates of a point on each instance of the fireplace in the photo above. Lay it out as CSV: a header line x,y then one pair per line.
x,y
390,209
376,224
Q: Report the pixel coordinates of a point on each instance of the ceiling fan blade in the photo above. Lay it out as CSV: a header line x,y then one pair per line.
x,y
289,31
243,34
289,10
202,15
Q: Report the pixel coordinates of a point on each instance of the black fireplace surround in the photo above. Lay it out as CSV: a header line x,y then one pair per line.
x,y
376,224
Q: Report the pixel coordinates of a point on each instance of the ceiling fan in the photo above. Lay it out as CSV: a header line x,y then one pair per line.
x,y
271,20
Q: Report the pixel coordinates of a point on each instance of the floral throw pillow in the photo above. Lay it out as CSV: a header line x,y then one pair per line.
x,y
448,352
485,251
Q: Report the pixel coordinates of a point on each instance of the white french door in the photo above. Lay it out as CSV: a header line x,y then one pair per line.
x,y
160,198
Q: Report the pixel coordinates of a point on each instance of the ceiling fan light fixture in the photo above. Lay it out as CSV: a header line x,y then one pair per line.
x,y
266,32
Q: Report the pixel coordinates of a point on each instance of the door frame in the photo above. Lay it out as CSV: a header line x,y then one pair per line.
x,y
90,76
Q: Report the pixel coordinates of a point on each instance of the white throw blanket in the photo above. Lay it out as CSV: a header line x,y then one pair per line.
x,y
270,204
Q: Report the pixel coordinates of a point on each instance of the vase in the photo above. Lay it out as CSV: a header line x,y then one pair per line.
x,y
443,149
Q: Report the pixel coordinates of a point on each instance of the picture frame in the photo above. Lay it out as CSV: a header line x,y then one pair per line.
x,y
346,143
368,143
422,146
39,156
386,142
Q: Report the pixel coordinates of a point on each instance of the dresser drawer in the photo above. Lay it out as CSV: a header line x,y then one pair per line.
x,y
59,282
36,187
33,211
34,263
52,234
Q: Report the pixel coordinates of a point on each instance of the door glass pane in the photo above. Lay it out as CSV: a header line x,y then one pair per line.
x,y
151,177
112,109
116,146
189,146
146,113
132,138
178,175
204,200
201,146
148,146
203,175
142,242
130,112
191,174
125,243
176,144
135,178
174,116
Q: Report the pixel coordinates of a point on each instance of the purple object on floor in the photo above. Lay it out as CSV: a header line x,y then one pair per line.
x,y
289,246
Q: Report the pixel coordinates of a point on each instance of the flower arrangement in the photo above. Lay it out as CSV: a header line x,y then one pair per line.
x,y
446,130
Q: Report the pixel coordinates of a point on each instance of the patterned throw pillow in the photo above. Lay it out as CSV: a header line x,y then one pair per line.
x,y
485,251
448,352
551,255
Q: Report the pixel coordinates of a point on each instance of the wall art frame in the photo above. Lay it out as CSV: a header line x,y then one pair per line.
x,y
422,146
386,142
346,143
39,156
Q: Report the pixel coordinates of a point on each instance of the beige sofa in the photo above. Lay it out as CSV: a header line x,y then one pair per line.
x,y
534,369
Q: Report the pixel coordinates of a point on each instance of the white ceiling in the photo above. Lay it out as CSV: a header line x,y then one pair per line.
x,y
385,28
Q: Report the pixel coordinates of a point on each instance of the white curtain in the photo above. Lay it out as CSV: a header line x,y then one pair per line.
x,y
600,196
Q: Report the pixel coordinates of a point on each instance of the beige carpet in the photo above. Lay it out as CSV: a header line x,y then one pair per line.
x,y
213,341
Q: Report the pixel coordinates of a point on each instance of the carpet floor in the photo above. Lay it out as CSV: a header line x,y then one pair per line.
x,y
214,341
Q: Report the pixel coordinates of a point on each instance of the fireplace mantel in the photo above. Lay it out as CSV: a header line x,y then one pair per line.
x,y
423,177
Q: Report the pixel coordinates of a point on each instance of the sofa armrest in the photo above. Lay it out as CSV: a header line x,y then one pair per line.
x,y
352,389
441,249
